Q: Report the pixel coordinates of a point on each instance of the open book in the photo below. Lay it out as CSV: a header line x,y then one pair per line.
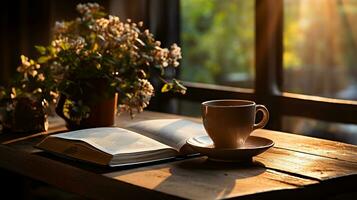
x,y
141,142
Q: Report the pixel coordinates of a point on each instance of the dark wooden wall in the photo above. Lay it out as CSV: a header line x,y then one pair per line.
x,y
25,23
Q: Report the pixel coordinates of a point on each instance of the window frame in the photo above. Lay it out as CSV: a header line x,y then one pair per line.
x,y
269,78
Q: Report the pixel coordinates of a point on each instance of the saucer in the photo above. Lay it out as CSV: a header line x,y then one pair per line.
x,y
253,146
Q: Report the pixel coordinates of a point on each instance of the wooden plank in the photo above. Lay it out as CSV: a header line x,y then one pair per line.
x,y
306,165
310,145
201,179
328,109
72,179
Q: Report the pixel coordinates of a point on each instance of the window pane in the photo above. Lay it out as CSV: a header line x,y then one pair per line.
x,y
321,129
217,39
320,43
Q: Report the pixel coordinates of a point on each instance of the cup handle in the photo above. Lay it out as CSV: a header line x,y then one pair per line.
x,y
265,119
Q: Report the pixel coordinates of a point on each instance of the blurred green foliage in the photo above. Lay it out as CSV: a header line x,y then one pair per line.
x,y
320,47
218,41
320,44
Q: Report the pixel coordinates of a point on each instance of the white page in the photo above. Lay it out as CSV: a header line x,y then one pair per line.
x,y
113,140
173,132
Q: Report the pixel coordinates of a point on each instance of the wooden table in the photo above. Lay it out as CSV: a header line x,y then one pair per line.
x,y
297,167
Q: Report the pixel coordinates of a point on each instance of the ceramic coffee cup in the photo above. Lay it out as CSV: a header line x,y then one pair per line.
x,y
229,122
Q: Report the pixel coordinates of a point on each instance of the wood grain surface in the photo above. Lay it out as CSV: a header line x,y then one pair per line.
x,y
296,167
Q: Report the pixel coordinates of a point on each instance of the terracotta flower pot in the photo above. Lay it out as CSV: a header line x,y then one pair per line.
x,y
101,114
102,109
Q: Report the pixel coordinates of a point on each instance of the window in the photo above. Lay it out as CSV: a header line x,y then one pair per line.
x,y
319,59
278,54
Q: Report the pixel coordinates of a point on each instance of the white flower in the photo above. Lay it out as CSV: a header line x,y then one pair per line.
x,y
40,77
60,27
175,51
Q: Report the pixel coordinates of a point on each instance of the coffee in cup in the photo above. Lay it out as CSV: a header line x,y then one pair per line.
x,y
229,122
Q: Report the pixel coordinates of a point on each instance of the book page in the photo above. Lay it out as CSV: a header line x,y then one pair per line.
x,y
113,140
172,132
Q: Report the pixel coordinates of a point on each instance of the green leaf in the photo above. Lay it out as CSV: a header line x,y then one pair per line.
x,y
178,87
43,59
65,45
167,87
52,50
41,49
23,58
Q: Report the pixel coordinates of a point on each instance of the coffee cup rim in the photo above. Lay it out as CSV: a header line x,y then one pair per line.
x,y
208,103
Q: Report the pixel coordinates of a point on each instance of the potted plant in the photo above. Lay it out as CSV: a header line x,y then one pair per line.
x,y
22,112
96,62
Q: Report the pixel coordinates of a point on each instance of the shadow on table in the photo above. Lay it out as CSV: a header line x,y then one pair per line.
x,y
216,179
